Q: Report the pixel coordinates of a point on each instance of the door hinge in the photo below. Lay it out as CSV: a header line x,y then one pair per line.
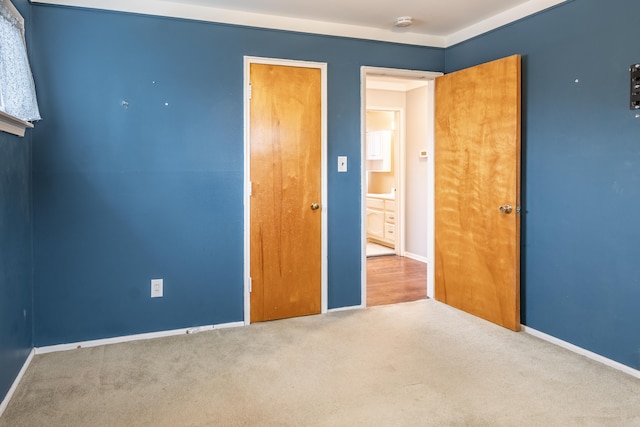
x,y
250,188
250,285
250,91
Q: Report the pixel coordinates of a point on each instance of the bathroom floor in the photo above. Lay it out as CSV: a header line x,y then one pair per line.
x,y
374,249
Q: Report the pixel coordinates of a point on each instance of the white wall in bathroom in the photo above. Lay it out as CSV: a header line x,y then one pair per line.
x,y
416,171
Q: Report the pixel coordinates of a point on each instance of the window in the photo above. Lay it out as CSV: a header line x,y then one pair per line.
x,y
18,104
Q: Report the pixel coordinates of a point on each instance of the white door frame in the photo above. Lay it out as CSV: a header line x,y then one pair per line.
x,y
419,75
322,66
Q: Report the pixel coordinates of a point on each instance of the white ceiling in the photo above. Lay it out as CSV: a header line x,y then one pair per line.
x,y
438,23
436,17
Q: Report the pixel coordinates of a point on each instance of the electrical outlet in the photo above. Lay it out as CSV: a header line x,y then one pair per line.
x,y
156,288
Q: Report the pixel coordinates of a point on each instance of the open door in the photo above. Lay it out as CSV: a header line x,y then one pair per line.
x,y
477,191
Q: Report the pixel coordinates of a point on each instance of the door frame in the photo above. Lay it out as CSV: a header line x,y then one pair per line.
x,y
322,66
430,214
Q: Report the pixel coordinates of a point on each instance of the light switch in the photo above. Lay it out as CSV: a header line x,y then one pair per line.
x,y
156,288
342,163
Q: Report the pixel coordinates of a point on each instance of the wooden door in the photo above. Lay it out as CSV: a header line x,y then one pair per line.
x,y
477,170
285,174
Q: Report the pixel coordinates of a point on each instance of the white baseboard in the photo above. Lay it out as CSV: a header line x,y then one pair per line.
x,y
136,337
14,386
583,352
416,257
351,307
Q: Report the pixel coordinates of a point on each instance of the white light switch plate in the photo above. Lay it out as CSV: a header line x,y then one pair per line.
x,y
342,163
156,288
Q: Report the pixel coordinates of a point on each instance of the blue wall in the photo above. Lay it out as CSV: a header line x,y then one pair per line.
x,y
126,194
16,284
581,257
16,266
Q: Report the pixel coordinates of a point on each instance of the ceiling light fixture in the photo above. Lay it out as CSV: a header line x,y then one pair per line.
x,y
403,21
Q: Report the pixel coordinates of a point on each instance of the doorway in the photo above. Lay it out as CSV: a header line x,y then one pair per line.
x,y
285,189
406,97
382,142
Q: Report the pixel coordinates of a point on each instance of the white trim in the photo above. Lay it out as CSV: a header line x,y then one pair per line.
x,y
501,19
210,14
250,19
246,194
401,73
349,308
13,125
431,189
136,337
401,178
363,190
16,382
416,257
583,352
322,66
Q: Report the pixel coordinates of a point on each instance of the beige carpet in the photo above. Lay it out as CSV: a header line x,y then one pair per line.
x,y
414,364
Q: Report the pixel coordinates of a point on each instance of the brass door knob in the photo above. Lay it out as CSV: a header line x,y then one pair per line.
x,y
315,206
506,209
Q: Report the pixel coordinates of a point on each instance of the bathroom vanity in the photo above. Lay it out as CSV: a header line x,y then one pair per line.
x,y
381,219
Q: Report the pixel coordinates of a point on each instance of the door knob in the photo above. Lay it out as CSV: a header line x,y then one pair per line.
x,y
315,206
506,209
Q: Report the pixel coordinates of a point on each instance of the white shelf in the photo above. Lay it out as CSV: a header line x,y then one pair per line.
x,y
13,125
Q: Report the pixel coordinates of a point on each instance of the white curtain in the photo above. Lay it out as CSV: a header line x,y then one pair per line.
x,y
17,89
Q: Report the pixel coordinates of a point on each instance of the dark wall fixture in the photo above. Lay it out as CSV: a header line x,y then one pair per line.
x,y
635,86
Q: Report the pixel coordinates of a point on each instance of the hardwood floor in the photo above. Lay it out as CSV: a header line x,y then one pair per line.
x,y
394,279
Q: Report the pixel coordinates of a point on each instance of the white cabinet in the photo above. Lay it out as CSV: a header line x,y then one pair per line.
x,y
381,221
375,224
379,151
